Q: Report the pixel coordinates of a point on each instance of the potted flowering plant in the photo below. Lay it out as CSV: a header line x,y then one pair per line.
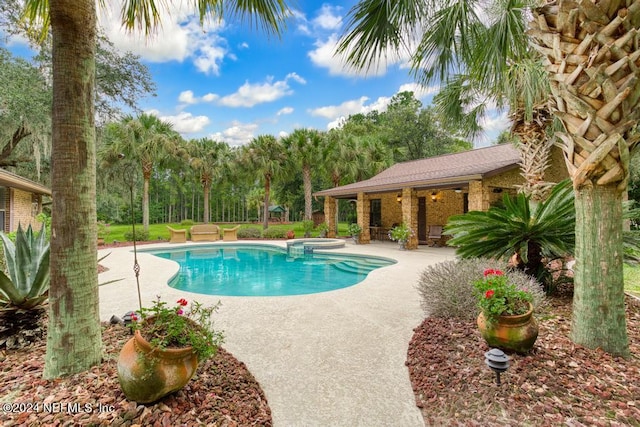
x,y
354,231
401,234
167,346
505,319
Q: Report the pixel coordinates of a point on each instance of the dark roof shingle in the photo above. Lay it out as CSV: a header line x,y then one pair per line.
x,y
472,164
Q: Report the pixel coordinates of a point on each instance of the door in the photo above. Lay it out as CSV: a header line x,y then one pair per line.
x,y
422,220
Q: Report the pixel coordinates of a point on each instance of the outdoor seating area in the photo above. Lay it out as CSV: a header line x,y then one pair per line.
x,y
205,233
177,236
230,234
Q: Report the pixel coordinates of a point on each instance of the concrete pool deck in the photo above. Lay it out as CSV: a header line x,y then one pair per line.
x,y
329,359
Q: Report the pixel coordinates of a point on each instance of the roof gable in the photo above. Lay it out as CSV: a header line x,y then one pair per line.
x,y
8,179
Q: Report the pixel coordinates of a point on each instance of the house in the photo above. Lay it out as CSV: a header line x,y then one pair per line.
x,y
425,193
20,201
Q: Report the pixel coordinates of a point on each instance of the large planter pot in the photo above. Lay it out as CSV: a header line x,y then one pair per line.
x,y
517,333
147,373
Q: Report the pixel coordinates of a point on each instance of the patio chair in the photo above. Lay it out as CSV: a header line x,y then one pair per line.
x,y
230,234
435,234
177,236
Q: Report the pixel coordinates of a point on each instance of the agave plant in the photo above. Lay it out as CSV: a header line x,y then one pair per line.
x,y
522,230
27,284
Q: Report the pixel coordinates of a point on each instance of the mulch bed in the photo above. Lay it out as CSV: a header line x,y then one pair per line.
x,y
223,393
557,383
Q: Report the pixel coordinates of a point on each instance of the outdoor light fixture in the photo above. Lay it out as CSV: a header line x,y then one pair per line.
x,y
497,361
434,197
497,190
399,198
458,190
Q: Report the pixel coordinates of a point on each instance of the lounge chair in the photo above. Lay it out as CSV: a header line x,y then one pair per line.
x,y
435,234
177,236
230,234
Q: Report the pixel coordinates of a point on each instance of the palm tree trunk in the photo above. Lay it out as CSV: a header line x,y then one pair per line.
x,y
267,194
306,180
145,202
73,335
598,306
591,55
207,190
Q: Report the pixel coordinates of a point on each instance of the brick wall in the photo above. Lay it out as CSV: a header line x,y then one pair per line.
x,y
22,210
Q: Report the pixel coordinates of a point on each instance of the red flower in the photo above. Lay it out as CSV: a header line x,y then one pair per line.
x,y
182,302
489,293
492,272
134,317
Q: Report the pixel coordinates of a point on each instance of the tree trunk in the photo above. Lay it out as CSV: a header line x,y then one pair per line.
x,y
598,301
207,190
145,203
74,342
267,193
591,56
306,180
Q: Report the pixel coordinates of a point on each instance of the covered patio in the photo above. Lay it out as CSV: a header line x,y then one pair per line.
x,y
425,193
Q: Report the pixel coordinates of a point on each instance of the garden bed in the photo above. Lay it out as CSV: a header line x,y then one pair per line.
x,y
558,383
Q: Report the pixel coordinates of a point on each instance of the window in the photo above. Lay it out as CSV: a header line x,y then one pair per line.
x,y
375,213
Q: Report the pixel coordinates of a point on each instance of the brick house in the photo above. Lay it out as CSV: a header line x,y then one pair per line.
x,y
20,201
425,193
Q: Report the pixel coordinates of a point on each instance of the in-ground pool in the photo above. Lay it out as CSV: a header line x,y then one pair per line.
x,y
263,270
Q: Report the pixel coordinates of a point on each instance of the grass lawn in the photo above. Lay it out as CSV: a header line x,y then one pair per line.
x,y
632,279
160,231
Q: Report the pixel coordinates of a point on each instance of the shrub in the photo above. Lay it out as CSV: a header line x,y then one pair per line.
x,y
447,290
274,233
187,222
249,233
141,235
307,226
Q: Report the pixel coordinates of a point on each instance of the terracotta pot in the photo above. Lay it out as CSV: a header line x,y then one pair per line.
x,y
517,333
147,373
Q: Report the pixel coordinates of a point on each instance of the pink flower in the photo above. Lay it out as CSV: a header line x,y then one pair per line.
x,y
182,302
489,293
498,272
489,272
179,312
134,317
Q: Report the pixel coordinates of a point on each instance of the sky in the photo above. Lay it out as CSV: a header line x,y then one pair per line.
x,y
231,82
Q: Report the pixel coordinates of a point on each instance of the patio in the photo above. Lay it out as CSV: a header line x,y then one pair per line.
x,y
335,358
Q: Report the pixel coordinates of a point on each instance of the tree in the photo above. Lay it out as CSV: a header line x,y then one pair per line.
x,y
266,156
305,149
73,337
207,158
593,70
145,139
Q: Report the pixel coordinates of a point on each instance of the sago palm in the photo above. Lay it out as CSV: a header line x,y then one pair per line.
x,y
520,230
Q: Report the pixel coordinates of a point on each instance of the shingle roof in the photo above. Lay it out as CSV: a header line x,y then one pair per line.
x,y
436,171
8,179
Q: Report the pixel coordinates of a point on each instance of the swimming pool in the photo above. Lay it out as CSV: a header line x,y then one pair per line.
x,y
264,270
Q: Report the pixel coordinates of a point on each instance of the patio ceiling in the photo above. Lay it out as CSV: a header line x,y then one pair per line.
x,y
445,171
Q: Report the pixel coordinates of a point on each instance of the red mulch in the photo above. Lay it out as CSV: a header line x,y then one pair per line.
x,y
223,392
558,383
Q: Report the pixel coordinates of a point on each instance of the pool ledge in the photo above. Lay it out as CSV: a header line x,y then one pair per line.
x,y
309,244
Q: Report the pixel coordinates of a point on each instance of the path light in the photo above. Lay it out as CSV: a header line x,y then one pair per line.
x,y
497,361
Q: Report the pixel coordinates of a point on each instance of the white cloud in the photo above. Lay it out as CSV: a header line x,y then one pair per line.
x,y
187,97
238,134
351,107
179,37
183,122
495,121
328,18
419,91
249,94
285,110
210,97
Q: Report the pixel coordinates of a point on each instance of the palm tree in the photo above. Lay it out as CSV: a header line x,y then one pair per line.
x,y
592,65
266,156
73,333
145,139
305,148
207,158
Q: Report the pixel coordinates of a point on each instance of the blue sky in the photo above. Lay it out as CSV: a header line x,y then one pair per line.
x,y
231,83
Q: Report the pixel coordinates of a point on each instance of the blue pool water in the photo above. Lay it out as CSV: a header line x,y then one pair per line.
x,y
246,270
